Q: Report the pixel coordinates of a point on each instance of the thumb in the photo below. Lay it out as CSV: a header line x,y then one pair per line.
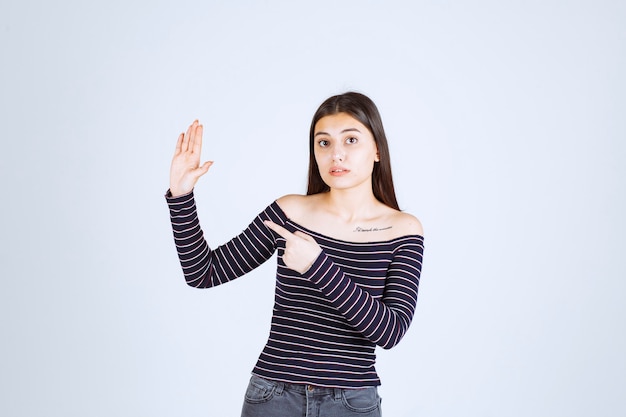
x,y
204,168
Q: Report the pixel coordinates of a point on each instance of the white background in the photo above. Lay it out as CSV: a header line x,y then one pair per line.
x,y
506,127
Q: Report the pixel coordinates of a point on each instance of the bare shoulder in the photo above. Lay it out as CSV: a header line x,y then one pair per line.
x,y
295,206
407,224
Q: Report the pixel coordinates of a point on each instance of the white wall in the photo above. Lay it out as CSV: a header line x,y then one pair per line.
x,y
506,123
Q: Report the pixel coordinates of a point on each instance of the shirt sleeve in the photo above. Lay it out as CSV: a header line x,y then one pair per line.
x,y
204,267
383,321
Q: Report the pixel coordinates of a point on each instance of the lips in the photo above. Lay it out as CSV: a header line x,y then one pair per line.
x,y
338,171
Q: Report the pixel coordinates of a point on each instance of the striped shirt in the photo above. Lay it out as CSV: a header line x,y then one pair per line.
x,y
326,322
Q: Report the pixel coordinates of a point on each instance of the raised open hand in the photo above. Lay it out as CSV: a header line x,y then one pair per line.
x,y
301,250
186,168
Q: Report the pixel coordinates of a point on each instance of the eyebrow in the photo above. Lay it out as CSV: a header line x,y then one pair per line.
x,y
351,129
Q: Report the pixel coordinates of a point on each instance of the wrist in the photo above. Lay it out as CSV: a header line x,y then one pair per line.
x,y
176,192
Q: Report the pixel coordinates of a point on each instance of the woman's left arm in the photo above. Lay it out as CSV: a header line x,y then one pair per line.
x,y
382,321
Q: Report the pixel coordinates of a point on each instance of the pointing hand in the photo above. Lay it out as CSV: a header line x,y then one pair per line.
x,y
301,250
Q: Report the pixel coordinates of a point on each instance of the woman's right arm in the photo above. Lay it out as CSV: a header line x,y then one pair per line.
x,y
202,266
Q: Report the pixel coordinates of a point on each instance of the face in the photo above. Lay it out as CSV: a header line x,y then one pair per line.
x,y
345,152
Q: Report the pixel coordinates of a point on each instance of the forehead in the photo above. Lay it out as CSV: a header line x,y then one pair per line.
x,y
337,123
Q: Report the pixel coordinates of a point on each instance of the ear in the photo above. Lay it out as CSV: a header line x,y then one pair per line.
x,y
377,159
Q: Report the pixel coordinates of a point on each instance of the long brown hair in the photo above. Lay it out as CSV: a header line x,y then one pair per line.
x,y
363,109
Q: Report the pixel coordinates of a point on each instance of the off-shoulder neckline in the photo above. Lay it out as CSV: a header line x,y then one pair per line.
x,y
284,216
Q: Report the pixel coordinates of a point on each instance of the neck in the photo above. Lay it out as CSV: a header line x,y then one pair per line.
x,y
351,204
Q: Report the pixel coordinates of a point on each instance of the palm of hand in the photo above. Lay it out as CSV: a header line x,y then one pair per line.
x,y
186,169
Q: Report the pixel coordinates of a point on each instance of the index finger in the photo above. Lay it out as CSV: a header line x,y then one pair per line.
x,y
197,140
284,233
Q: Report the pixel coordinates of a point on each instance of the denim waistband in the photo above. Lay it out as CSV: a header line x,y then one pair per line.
x,y
304,389
307,389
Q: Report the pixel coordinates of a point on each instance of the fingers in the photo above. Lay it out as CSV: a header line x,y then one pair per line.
x,y
192,135
301,250
179,143
204,168
185,144
286,234
304,236
188,142
197,139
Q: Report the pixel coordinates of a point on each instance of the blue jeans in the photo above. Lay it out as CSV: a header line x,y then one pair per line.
x,y
277,399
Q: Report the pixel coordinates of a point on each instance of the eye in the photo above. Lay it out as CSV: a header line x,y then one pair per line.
x,y
352,140
323,143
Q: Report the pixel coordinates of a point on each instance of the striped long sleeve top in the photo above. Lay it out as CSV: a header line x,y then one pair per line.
x,y
327,322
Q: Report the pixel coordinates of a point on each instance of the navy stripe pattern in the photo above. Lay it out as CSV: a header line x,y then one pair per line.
x,y
326,322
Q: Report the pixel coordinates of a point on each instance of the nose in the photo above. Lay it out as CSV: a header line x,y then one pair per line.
x,y
338,154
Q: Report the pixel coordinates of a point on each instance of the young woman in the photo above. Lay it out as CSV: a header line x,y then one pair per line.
x,y
348,265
